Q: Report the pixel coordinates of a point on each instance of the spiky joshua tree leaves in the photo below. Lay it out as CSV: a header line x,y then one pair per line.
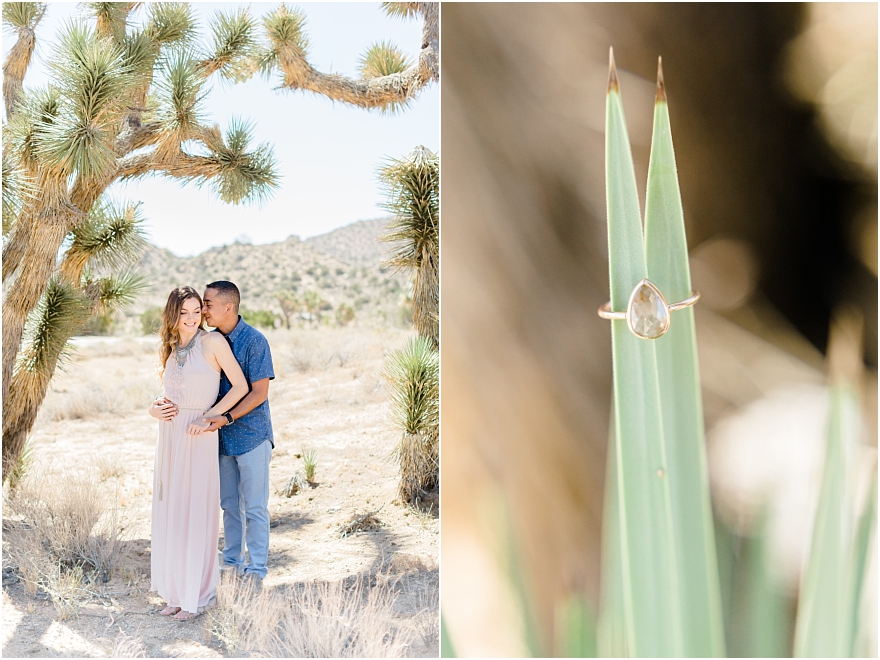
x,y
93,276
412,187
414,375
124,102
388,79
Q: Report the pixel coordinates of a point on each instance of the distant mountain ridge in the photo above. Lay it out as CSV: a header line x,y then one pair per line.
x,y
357,243
342,266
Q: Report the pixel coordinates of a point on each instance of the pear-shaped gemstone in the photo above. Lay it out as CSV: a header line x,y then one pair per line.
x,y
648,314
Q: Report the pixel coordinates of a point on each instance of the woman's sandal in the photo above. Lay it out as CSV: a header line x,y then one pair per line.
x,y
186,616
168,611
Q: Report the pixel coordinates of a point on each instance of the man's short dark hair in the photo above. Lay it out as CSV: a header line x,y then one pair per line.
x,y
228,291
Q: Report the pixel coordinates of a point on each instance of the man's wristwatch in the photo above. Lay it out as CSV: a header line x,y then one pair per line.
x,y
228,417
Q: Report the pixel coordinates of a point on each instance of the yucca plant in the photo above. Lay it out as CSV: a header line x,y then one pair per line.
x,y
412,187
828,621
124,102
661,594
388,81
414,375
310,463
660,578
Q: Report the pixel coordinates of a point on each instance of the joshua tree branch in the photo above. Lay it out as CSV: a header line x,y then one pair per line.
x,y
16,65
137,135
184,166
380,92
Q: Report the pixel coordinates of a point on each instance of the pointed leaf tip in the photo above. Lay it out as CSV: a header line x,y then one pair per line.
x,y
661,86
612,72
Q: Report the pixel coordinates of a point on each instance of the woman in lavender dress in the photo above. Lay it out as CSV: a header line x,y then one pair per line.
x,y
186,481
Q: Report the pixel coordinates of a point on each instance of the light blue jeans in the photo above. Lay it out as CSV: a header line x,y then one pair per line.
x,y
244,496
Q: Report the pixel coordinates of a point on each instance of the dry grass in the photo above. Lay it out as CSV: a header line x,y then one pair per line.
x,y
295,484
89,399
427,621
321,620
128,646
108,466
304,351
364,522
65,588
61,531
96,347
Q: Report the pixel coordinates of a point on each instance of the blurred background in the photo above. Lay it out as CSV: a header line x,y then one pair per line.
x,y
774,120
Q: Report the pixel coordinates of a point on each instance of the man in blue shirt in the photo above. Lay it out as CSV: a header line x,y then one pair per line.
x,y
246,439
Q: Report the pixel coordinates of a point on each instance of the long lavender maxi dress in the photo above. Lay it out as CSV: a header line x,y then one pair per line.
x,y
186,489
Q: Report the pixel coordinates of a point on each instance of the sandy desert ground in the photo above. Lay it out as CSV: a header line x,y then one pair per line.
x,y
329,396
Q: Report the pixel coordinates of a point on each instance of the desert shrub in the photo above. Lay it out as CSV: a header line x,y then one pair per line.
x,y
260,318
100,325
302,360
320,620
151,320
344,314
60,530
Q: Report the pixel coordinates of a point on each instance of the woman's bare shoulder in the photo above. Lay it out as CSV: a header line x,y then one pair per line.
x,y
213,339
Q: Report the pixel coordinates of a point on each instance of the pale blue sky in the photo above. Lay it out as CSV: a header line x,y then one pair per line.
x,y
328,153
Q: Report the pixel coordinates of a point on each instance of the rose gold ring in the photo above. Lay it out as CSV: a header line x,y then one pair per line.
x,y
647,313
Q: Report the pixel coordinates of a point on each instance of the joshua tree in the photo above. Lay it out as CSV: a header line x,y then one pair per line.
x,y
313,303
289,304
125,102
414,375
388,79
413,189
413,192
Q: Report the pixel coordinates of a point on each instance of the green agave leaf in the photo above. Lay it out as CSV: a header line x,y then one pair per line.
x,y
575,628
825,608
447,650
649,570
517,578
611,633
867,525
761,618
681,400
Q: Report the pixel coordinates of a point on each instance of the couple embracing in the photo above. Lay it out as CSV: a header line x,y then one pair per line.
x,y
215,443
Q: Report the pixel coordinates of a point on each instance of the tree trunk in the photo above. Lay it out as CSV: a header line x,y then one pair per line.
x,y
26,394
20,409
16,246
40,256
426,298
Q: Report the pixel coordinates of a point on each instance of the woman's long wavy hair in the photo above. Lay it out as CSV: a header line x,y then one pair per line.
x,y
168,334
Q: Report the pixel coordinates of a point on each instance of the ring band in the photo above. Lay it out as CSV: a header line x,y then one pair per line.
x,y
647,313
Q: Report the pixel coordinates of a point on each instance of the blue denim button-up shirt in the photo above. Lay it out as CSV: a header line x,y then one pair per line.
x,y
251,350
